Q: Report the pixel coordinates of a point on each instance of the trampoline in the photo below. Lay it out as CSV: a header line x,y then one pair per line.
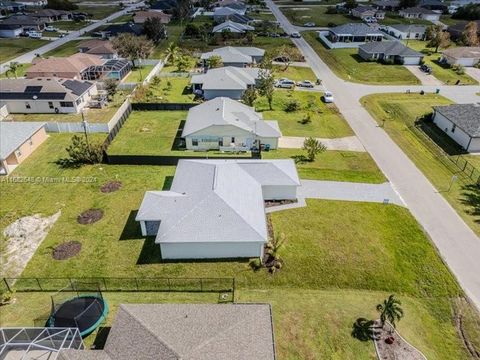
x,y
84,311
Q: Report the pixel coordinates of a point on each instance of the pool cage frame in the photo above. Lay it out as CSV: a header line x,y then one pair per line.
x,y
37,339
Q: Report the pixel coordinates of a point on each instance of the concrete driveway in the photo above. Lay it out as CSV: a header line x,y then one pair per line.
x,y
473,72
349,143
423,77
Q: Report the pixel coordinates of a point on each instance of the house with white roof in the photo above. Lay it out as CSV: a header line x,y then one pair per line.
x,y
225,124
215,208
227,81
239,56
232,27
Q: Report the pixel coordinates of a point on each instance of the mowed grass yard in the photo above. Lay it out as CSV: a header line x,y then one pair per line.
x,y
349,66
12,48
317,14
296,73
400,112
138,74
67,49
442,72
167,89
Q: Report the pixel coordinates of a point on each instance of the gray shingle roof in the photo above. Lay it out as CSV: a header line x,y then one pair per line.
x,y
409,28
470,52
14,134
418,10
188,332
465,116
223,111
389,48
355,29
216,200
227,78
235,54
234,27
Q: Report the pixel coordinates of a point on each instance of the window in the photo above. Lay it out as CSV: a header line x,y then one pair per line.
x,y
220,142
66,104
233,140
27,105
453,128
194,142
50,105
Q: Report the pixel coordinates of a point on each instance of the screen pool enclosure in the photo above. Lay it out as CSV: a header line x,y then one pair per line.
x,y
74,308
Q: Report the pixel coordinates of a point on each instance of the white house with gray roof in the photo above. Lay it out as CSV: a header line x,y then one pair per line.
x,y
390,51
350,35
227,81
226,124
215,208
404,31
238,56
461,122
186,332
232,27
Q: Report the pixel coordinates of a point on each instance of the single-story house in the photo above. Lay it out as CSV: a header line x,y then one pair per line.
x,y
456,31
227,81
45,95
11,6
102,48
403,31
28,22
33,3
239,56
363,12
17,141
71,67
465,56
461,122
51,15
393,51
141,16
433,5
215,208
10,31
186,331
232,27
225,124
223,14
420,13
116,29
351,35
237,5
386,5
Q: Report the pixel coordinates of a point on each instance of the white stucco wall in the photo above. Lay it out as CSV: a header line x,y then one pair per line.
x,y
460,137
214,250
279,192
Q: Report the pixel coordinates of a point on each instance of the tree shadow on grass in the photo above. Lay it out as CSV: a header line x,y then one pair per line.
x,y
300,159
471,198
362,329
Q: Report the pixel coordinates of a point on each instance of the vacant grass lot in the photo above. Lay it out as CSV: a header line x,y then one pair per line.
x,y
295,73
67,49
326,120
169,89
442,72
98,12
349,66
400,112
11,48
138,74
70,25
317,14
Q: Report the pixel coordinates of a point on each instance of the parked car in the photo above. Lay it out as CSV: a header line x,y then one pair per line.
x,y
370,20
34,34
328,97
305,84
295,35
309,24
426,69
50,28
285,83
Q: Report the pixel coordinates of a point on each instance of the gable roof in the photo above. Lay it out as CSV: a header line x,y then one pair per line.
x,y
409,28
188,332
364,9
387,3
223,111
463,52
419,10
97,47
355,29
74,63
389,48
234,27
14,134
224,202
50,13
465,116
26,20
227,78
235,54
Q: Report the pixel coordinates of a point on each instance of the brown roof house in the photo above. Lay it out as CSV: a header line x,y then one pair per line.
x,y
141,16
70,67
17,141
102,48
186,332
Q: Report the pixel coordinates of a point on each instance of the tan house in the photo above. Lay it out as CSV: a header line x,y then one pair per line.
x,y
141,16
70,67
17,141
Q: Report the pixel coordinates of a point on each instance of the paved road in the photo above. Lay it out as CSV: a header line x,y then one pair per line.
x,y
28,57
348,143
456,242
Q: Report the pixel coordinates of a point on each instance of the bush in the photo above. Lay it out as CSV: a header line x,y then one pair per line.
x,y
292,106
80,152
459,69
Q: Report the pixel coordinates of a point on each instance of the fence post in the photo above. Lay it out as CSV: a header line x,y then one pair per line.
x,y
6,284
233,291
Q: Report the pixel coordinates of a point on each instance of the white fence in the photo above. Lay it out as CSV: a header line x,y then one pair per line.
x,y
73,127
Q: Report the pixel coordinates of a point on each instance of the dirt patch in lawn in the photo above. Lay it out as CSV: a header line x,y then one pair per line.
x,y
66,250
90,216
23,237
111,186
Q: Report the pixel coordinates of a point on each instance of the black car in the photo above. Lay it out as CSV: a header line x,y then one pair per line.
x,y
426,69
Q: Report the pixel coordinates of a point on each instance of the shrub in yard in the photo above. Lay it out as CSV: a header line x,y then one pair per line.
x,y
111,86
313,147
307,119
81,152
292,106
459,69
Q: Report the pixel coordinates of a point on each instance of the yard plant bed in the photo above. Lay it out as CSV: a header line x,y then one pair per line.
x,y
90,216
111,186
272,203
66,250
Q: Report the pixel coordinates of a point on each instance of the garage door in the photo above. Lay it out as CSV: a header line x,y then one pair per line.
x,y
152,227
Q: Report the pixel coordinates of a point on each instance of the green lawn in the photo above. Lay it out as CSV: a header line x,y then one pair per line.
x,y
349,66
168,89
400,112
317,14
123,19
67,49
12,48
333,165
442,72
392,19
265,16
447,20
70,25
295,73
20,72
138,74
98,12
326,120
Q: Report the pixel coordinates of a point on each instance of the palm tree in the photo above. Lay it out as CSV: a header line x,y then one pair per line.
x,y
390,310
13,68
275,245
172,51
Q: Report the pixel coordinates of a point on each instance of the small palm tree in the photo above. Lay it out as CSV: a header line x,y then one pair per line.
x,y
13,68
313,147
275,245
390,310
172,51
